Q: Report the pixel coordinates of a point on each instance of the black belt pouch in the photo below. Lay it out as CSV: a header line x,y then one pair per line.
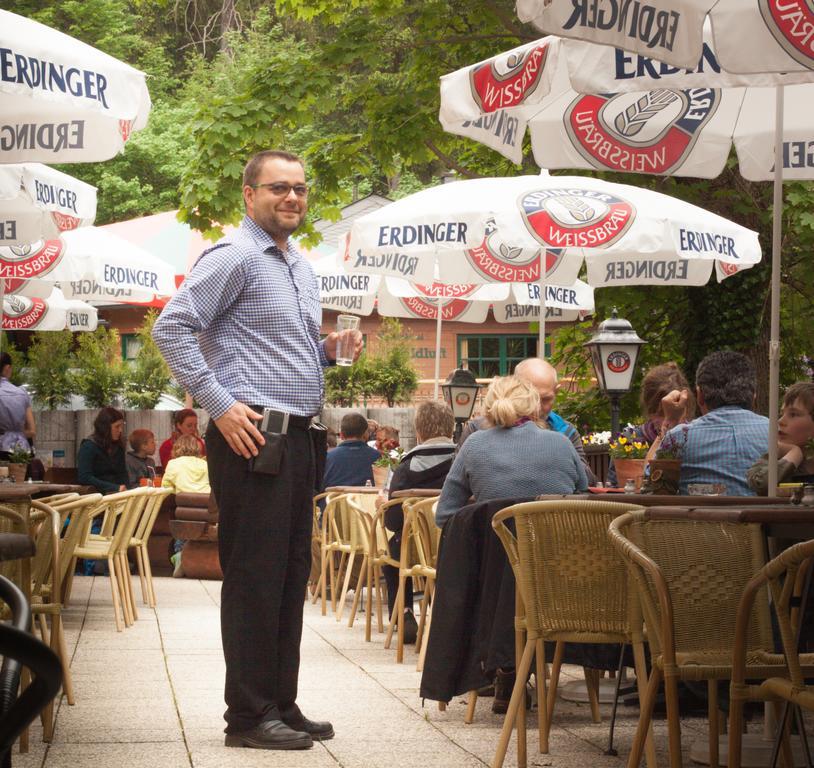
x,y
270,456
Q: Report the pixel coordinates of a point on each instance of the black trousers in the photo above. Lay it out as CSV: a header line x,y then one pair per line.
x,y
264,541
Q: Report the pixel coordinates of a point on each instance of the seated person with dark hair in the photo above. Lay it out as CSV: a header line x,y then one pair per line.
x,y
351,462
425,466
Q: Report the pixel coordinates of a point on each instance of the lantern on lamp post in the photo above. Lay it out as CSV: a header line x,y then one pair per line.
x,y
614,352
460,390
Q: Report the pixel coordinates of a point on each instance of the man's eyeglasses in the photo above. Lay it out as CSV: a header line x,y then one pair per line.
x,y
282,189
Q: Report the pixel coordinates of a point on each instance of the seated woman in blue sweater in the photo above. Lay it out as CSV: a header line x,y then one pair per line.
x,y
517,456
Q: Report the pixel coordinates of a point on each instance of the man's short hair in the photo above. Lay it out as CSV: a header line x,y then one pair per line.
x,y
139,438
353,425
726,378
434,419
5,359
256,162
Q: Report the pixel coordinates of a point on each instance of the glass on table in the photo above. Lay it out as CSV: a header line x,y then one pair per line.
x,y
706,489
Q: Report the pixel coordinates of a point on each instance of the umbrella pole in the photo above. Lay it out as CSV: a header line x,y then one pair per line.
x,y
774,339
437,351
541,342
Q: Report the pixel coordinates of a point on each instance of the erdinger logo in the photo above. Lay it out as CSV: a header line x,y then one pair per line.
x,y
506,264
507,81
576,218
728,268
453,301
125,129
651,132
63,222
618,362
29,261
21,313
791,22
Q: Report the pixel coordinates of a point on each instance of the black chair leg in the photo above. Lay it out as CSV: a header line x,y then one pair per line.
x,y
610,750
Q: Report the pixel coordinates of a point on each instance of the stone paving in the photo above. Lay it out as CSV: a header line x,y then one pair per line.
x,y
152,696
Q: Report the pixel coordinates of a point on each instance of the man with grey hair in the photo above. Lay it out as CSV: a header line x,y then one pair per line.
x,y
721,444
543,377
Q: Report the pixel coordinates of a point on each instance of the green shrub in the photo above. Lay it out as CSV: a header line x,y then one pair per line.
x,y
50,360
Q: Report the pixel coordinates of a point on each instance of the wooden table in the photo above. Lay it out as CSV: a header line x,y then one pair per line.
x,y
352,489
421,493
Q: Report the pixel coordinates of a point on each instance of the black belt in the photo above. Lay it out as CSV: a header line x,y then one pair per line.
x,y
295,422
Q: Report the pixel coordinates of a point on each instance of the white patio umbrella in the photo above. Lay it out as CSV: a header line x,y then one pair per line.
x,y
88,255
502,229
750,35
62,101
52,313
38,202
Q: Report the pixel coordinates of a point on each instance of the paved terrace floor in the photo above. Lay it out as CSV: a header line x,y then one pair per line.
x,y
151,697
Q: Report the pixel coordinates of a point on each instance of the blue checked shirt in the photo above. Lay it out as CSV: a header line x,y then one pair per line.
x,y
719,447
244,326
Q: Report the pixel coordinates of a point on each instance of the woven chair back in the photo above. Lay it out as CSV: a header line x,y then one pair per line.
x,y
12,522
75,515
358,513
424,534
146,521
702,567
572,583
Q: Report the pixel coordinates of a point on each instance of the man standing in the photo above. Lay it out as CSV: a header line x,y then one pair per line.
x,y
241,335
543,377
723,443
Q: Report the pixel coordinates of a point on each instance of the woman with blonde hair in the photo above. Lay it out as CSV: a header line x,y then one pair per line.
x,y
516,457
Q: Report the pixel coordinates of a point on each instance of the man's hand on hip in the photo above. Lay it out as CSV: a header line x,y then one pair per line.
x,y
237,427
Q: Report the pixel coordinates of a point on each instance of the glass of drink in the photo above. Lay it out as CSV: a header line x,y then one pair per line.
x,y
345,327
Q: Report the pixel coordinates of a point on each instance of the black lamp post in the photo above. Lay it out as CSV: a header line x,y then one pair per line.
x,y
460,390
614,353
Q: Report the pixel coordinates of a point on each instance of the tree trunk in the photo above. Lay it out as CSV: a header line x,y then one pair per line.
x,y
228,22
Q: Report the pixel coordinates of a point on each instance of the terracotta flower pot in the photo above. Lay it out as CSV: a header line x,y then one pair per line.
x,y
380,476
629,469
17,472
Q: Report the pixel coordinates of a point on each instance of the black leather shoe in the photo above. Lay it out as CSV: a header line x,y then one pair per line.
x,y
319,730
271,734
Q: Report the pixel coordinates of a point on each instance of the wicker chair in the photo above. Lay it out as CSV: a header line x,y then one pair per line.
x,y
121,515
419,552
52,559
141,538
378,556
689,576
572,587
784,576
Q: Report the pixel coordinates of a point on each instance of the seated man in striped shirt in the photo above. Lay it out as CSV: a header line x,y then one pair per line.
x,y
543,377
723,443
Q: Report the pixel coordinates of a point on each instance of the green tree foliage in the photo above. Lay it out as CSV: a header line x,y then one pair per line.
x,y
394,378
18,360
101,374
149,376
349,385
50,360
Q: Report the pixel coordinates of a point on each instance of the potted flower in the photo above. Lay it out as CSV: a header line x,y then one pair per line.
x,y
628,454
382,467
18,458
